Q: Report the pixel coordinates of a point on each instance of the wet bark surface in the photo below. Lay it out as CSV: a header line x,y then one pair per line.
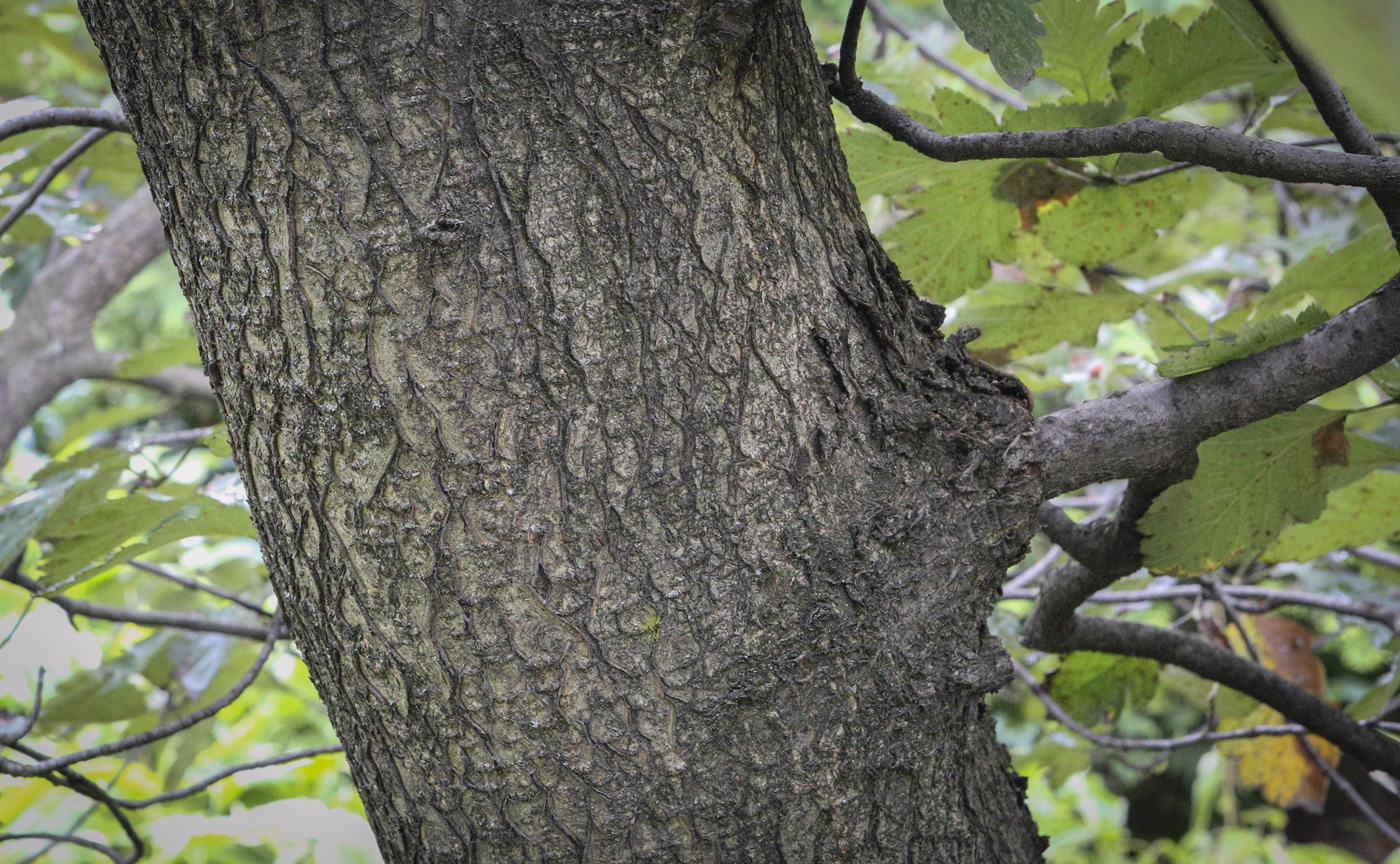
x,y
625,503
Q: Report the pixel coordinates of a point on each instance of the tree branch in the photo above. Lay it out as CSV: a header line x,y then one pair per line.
x,y
186,791
51,335
850,45
1263,600
50,118
1178,141
70,779
1204,735
1053,626
1332,104
1151,426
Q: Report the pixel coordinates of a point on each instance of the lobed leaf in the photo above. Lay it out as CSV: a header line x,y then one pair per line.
x,y
1006,30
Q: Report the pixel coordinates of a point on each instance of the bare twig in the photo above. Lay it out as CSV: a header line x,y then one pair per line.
x,y
70,838
1204,735
186,791
45,766
1349,790
1377,555
1053,626
177,620
71,779
1264,599
1332,104
196,585
47,176
9,738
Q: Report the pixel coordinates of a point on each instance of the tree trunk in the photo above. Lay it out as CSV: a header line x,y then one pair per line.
x,y
625,503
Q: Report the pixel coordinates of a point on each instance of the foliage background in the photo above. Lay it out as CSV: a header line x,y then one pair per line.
x,y
1082,284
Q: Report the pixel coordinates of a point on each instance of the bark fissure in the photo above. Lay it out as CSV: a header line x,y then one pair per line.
x,y
624,501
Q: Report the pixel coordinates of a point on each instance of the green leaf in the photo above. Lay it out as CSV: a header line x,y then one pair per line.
x,y
21,517
946,248
1094,687
1252,338
1338,279
1355,40
879,165
1251,484
1374,700
218,443
1176,66
87,543
1387,377
1063,116
170,352
1241,14
1079,41
1027,318
95,471
1006,30
112,533
1102,223
106,420
99,696
1364,512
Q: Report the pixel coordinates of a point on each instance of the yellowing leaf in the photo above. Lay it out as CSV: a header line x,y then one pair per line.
x,y
1278,764
1103,223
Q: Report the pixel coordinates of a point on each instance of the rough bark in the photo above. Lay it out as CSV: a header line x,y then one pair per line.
x,y
625,503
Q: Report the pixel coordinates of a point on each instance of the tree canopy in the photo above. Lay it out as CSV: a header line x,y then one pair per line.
x,y
1121,197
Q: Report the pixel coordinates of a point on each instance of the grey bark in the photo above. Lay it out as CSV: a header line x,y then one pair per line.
x,y
625,503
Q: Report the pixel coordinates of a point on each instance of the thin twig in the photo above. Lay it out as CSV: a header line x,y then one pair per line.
x,y
1204,735
1349,790
19,769
186,791
196,585
9,738
143,618
1267,598
48,174
1206,146
71,779
1377,555
68,838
